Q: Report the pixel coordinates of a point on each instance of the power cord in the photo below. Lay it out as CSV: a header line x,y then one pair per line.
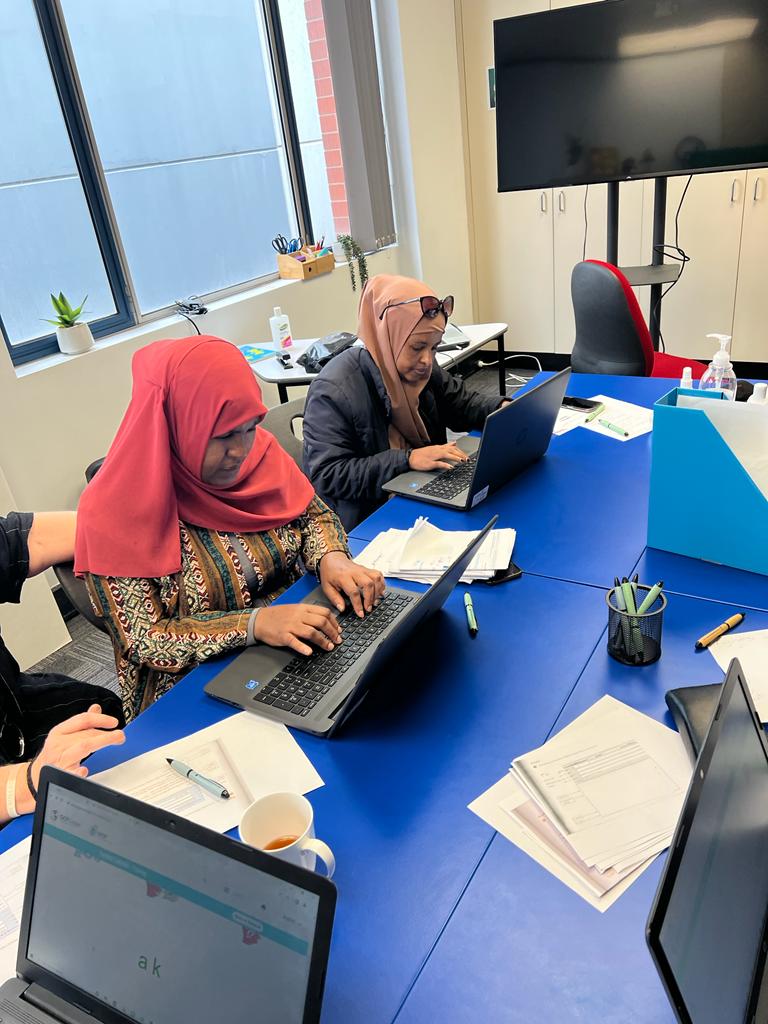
x,y
586,226
513,379
190,307
674,252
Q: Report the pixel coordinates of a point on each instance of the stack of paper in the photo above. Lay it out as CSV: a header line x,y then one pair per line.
x,y
424,552
634,420
597,802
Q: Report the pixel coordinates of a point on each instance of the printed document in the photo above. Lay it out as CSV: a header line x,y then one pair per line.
x,y
752,651
13,877
635,419
248,755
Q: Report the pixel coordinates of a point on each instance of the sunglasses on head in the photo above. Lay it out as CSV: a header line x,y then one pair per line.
x,y
430,306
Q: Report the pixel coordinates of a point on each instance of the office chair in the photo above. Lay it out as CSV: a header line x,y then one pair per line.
x,y
280,423
611,333
74,588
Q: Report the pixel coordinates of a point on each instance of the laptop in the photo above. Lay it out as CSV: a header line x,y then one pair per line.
x,y
319,692
707,930
513,437
135,916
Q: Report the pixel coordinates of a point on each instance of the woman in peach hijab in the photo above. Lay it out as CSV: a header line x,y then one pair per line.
x,y
381,408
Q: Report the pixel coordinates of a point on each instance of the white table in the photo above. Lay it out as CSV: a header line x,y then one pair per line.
x,y
272,372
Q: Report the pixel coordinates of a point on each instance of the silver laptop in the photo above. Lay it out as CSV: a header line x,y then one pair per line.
x,y
513,437
319,692
135,916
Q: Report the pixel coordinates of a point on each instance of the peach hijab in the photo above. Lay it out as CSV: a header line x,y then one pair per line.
x,y
385,337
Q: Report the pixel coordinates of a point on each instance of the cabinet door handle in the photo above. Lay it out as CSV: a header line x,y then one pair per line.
x,y
561,201
756,193
543,202
734,187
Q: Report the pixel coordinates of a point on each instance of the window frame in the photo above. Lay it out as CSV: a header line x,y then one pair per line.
x,y
70,95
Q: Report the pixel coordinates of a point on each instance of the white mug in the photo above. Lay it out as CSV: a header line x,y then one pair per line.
x,y
286,814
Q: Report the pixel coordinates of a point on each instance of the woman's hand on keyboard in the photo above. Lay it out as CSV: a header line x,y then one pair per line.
x,y
341,579
436,456
297,626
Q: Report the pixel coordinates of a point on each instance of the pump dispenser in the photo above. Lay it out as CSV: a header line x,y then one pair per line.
x,y
719,375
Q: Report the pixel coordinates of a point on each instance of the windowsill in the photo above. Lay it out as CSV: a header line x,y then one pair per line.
x,y
150,326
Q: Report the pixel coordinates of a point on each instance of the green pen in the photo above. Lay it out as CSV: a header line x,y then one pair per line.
x,y
612,426
595,413
469,608
650,597
636,643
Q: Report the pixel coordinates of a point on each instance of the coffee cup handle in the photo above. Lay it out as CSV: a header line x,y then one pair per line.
x,y
323,851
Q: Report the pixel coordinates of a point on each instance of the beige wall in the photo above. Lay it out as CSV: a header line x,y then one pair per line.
x,y
433,86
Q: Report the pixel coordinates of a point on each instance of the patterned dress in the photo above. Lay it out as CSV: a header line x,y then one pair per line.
x,y
163,627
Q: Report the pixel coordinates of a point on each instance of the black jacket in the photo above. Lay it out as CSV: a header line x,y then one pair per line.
x,y
346,443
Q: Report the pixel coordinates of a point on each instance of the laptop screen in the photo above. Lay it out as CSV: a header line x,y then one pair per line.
x,y
713,925
162,929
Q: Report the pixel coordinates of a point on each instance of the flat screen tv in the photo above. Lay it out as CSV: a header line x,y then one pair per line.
x,y
631,89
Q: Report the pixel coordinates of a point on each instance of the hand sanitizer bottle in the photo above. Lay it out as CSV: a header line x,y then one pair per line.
x,y
719,375
686,381
759,396
280,326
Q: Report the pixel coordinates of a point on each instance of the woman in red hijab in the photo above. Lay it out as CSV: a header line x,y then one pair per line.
x,y
197,521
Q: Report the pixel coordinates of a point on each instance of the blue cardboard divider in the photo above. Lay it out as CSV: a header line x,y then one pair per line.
x,y
702,502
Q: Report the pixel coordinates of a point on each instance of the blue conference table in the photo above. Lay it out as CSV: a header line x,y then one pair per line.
x,y
521,947
436,914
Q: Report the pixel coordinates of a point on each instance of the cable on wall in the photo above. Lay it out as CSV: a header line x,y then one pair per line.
x,y
676,253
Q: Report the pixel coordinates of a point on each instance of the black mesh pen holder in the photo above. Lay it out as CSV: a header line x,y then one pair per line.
x,y
634,639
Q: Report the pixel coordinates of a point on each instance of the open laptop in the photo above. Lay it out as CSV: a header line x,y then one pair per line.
x,y
513,437
319,692
707,930
135,916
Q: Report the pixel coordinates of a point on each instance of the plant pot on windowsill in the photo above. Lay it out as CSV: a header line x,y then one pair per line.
x,y
75,339
73,335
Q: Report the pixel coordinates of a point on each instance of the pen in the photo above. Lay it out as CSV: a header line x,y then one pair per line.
x,y
612,426
189,773
650,597
709,638
469,608
595,412
636,641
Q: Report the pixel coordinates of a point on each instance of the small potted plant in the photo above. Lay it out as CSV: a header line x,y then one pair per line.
x,y
353,254
73,335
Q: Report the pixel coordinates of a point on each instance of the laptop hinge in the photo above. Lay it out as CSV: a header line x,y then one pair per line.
x,y
55,1006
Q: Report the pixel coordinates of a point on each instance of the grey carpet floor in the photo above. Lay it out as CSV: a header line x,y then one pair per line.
x,y
89,657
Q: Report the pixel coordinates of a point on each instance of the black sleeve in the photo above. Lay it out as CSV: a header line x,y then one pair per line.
x,y
459,407
332,457
14,554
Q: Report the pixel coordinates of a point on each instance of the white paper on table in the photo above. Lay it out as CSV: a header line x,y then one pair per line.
x,y
423,552
488,806
13,877
569,419
635,419
752,651
611,782
250,756
743,427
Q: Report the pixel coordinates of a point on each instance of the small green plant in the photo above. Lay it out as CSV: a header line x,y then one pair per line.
x,y
354,254
65,315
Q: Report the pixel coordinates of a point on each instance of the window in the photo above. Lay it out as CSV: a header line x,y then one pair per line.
x,y
153,150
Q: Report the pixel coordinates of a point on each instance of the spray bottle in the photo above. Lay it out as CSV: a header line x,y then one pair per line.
x,y
719,375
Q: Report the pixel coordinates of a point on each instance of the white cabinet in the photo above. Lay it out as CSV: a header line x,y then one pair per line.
x,y
750,322
702,301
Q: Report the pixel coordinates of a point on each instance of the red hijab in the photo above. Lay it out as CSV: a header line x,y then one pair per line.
x,y
185,391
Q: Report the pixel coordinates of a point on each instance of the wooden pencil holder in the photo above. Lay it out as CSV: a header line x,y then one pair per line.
x,y
301,270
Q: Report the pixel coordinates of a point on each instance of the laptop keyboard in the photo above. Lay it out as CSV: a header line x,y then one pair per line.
x,y
305,680
451,482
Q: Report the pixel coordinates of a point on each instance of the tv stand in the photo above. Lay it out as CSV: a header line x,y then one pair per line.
x,y
658,273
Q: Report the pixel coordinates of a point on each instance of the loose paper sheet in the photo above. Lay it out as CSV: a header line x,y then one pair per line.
x,y
13,877
248,755
635,419
752,651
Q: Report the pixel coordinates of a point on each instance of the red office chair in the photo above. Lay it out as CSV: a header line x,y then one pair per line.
x,y
611,333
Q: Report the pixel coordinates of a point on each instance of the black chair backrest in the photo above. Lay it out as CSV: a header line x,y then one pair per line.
x,y
611,334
